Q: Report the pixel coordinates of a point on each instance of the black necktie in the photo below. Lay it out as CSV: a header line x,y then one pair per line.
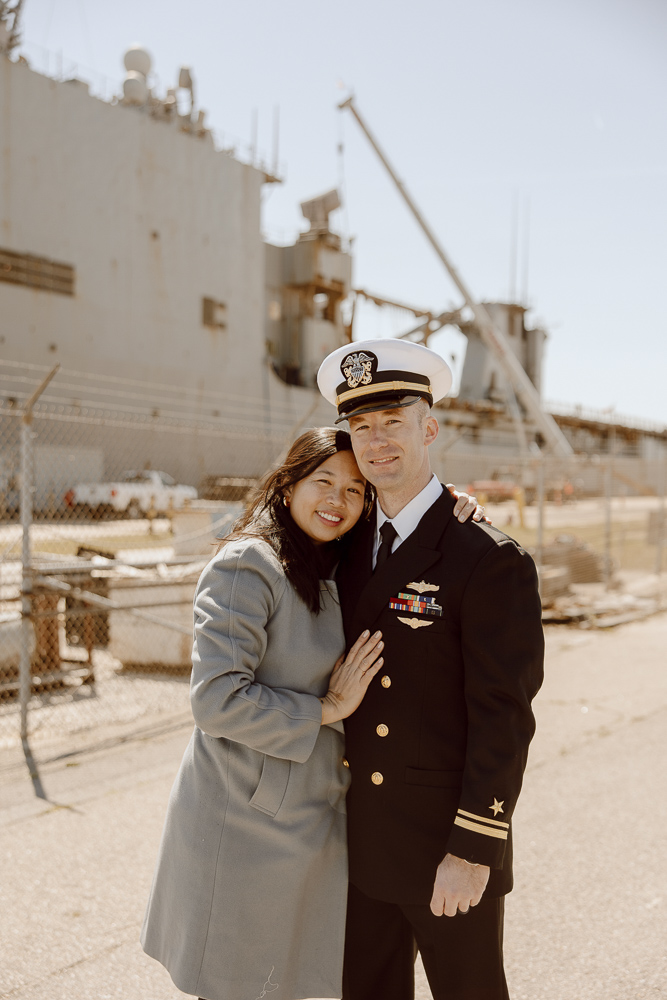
x,y
388,533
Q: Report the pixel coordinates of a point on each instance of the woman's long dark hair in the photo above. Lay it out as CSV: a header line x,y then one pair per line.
x,y
267,516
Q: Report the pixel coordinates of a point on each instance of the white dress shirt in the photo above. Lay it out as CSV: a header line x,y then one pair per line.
x,y
407,519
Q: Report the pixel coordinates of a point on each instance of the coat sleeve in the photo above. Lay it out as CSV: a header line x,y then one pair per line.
x,y
503,655
236,595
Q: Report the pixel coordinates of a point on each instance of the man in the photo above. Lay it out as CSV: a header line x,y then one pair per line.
x,y
438,747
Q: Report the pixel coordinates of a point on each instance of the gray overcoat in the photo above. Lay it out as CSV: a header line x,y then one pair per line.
x,y
249,892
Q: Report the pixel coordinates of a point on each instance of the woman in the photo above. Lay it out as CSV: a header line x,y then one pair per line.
x,y
249,892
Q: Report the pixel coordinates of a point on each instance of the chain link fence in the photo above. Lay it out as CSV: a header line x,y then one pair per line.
x,y
112,493
596,526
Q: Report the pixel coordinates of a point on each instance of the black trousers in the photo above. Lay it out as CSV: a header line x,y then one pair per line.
x,y
462,955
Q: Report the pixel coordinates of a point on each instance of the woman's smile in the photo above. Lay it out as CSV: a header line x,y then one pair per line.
x,y
329,516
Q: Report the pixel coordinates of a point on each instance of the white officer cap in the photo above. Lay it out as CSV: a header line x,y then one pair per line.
x,y
370,375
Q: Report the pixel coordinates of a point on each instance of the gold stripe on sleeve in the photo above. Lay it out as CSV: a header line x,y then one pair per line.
x,y
484,819
478,828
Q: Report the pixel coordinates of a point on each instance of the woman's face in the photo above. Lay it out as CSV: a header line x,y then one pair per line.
x,y
329,501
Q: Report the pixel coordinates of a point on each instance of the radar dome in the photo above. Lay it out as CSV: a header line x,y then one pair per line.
x,y
137,59
135,89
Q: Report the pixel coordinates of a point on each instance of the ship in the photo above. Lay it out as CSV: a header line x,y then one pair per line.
x,y
132,256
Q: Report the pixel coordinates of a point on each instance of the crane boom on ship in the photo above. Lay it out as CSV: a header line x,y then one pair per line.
x,y
492,337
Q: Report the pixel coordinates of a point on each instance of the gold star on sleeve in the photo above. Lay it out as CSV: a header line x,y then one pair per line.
x,y
497,806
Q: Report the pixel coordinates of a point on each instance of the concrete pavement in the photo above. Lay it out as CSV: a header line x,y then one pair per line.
x,y
587,920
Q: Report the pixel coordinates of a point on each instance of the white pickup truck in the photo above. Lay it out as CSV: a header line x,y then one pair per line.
x,y
134,495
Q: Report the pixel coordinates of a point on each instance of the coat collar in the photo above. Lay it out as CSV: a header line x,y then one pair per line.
x,y
363,593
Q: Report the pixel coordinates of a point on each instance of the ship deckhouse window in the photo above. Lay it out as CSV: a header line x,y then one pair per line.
x,y
36,272
214,314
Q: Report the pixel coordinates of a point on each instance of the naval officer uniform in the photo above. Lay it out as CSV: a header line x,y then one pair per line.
x,y
438,747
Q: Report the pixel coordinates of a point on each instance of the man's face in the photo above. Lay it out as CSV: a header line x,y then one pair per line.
x,y
390,446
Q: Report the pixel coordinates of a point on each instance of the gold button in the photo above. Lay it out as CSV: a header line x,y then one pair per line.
x,y
346,762
382,730
377,778
386,681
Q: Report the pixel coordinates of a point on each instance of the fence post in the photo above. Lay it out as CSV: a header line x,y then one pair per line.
x,y
26,556
608,489
661,524
26,576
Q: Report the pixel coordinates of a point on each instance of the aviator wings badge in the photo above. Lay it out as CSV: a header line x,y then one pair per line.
x,y
413,622
422,587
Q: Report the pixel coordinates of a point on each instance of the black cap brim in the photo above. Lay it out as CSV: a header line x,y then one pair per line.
x,y
377,403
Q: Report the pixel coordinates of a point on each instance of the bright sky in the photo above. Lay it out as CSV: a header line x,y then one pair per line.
x,y
557,107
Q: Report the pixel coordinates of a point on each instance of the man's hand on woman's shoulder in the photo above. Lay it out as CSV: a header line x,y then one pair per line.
x,y
467,506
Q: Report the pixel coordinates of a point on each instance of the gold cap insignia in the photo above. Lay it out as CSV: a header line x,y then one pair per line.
x,y
357,369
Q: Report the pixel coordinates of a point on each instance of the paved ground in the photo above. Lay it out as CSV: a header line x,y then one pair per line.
x,y
587,920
